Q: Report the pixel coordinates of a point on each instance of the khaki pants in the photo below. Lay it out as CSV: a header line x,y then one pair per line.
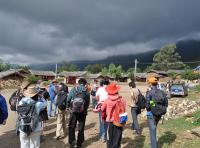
x,y
61,123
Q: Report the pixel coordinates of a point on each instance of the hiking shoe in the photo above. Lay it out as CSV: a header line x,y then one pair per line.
x,y
57,138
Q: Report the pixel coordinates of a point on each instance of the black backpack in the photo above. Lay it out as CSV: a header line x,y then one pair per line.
x,y
78,102
27,118
14,100
159,102
93,91
62,100
141,103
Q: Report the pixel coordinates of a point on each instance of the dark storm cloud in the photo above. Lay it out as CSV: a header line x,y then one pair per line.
x,y
49,30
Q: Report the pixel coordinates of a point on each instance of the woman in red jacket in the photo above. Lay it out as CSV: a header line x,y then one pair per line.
x,y
116,116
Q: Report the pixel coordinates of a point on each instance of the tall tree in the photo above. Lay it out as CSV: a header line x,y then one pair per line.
x,y
95,68
4,66
66,66
167,58
104,71
115,71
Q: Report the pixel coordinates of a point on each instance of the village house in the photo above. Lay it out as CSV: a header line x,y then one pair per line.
x,y
12,78
160,75
44,75
141,77
12,75
72,77
91,77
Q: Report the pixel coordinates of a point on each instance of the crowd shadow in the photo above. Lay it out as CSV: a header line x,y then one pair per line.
x,y
137,142
168,138
91,140
89,126
9,139
142,126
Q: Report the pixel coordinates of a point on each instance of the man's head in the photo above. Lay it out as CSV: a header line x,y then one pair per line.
x,y
101,82
153,81
106,82
54,82
82,81
132,84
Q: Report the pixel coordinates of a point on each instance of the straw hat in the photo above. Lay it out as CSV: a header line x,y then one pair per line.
x,y
112,88
54,81
24,84
43,84
31,91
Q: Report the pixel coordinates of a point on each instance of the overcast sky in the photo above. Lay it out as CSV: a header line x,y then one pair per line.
x,y
40,31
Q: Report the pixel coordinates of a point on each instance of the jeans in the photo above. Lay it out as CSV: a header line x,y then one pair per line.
x,y
50,104
74,117
102,132
115,136
135,125
94,102
153,121
61,123
32,141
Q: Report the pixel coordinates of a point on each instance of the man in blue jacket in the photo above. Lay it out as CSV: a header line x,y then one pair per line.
x,y
3,110
52,93
156,106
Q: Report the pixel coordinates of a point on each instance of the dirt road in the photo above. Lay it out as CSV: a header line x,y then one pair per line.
x,y
8,138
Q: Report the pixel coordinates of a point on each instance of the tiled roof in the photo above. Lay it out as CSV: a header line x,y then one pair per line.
x,y
10,72
42,73
73,73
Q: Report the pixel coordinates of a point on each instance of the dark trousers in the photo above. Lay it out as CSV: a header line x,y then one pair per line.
x,y
135,125
74,117
115,136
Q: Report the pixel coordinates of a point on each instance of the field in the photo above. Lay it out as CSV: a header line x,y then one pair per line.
x,y
172,134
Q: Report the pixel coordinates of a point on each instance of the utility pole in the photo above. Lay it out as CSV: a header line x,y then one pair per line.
x,y
56,70
136,62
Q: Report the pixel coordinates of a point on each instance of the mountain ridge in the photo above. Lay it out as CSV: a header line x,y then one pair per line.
x,y
189,50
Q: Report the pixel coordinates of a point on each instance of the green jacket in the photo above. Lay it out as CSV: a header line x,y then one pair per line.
x,y
86,96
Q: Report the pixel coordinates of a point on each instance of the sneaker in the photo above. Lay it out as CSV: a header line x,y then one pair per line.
x,y
72,145
57,138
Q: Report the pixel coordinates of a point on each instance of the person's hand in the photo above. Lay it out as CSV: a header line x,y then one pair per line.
x,y
4,122
149,113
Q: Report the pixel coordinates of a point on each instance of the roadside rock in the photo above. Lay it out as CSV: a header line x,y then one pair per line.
x,y
196,131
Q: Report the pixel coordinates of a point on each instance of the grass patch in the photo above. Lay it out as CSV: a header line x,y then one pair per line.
x,y
197,118
174,130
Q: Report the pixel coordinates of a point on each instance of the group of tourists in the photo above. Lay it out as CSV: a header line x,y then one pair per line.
x,y
36,103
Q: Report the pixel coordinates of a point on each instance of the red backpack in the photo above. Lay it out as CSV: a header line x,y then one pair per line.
x,y
118,108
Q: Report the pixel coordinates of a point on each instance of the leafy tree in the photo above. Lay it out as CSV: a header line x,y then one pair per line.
x,y
104,71
167,58
131,72
66,66
115,71
172,75
32,79
4,66
95,68
26,68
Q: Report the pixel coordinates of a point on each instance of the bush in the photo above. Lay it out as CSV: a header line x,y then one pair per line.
x,y
197,118
190,75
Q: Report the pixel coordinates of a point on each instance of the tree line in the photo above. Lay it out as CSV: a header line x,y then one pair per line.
x,y
165,59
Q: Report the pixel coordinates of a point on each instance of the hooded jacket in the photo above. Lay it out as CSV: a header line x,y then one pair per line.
x,y
52,92
86,96
109,104
3,109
